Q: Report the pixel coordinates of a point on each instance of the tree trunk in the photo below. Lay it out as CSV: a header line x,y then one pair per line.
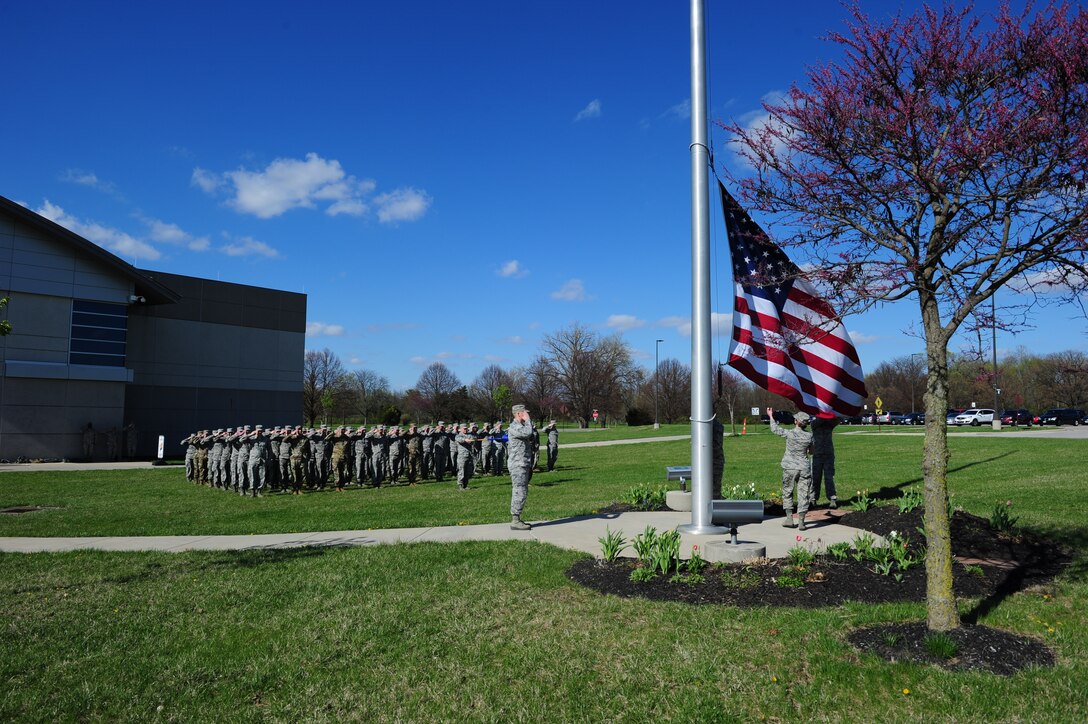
x,y
941,614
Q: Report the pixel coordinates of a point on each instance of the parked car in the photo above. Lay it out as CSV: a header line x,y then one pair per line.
x,y
889,418
974,417
1061,416
782,417
1017,417
950,418
914,418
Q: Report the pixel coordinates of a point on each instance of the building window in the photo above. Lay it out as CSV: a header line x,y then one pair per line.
x,y
98,333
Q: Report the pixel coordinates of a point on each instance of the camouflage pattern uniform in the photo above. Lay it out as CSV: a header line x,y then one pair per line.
x,y
320,449
441,451
487,450
283,458
426,437
203,444
553,444
215,459
823,458
190,455
465,462
300,460
340,444
796,467
257,464
360,446
414,444
379,454
396,454
519,461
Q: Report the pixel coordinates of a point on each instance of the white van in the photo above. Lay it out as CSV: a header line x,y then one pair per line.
x,y
974,417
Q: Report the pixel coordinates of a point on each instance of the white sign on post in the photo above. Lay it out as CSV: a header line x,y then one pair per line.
x,y
162,444
755,411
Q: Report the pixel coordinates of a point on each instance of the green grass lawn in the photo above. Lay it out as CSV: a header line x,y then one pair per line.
x,y
491,631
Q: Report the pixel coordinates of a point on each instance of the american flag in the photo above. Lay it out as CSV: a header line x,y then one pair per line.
x,y
786,338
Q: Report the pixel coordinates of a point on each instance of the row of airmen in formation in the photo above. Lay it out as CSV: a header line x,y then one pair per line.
x,y
248,461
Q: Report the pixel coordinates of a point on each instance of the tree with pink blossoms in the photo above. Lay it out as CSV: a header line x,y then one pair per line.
x,y
943,158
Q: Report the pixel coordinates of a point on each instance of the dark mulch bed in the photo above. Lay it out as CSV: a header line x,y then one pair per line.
x,y
1001,565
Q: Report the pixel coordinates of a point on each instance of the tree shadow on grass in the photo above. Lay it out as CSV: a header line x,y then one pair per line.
x,y
1059,551
893,491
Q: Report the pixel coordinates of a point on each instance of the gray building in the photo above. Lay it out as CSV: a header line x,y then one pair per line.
x,y
97,341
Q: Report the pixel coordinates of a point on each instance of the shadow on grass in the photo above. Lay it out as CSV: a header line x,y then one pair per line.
x,y
891,492
1070,562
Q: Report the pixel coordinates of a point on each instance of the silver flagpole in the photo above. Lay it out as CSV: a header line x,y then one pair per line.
x,y
702,409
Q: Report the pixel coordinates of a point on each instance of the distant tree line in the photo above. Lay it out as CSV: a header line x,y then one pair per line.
x,y
578,371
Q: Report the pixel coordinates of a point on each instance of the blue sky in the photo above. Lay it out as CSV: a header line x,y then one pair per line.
x,y
445,181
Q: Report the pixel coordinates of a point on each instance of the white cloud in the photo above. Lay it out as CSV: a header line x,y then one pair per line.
x,y
674,322
513,339
681,111
721,325
115,240
248,246
289,183
168,233
207,181
90,180
419,360
755,121
862,338
512,269
572,291
624,322
320,329
592,110
405,204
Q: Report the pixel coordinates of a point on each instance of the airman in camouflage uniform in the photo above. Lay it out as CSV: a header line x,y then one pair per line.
x,y
215,459
257,465
379,454
465,462
413,442
553,444
426,437
796,466
396,454
361,450
190,455
823,457
341,441
441,451
520,462
300,459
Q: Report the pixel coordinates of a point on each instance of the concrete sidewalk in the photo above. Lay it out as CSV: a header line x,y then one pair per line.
x,y
579,533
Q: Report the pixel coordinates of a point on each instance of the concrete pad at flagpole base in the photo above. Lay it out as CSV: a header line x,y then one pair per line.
x,y
722,551
679,500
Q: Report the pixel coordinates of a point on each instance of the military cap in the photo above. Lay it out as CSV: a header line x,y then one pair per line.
x,y
518,408
802,418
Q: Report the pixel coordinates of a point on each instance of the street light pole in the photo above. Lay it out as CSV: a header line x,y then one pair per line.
x,y
657,380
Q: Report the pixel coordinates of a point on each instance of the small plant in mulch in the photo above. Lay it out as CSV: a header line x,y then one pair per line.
x,y
646,496
1002,518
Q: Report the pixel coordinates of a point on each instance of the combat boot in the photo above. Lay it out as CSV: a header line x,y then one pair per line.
x,y
834,504
788,522
517,523
801,522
